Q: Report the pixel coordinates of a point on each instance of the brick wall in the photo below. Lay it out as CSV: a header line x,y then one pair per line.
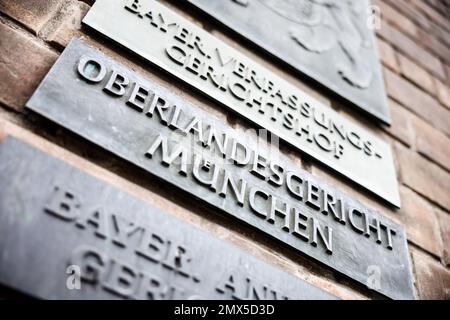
x,y
414,46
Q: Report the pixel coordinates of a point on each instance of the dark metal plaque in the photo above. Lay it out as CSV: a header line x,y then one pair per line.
x,y
58,223
178,46
330,41
117,109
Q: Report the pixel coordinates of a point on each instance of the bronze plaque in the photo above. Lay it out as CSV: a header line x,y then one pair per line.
x,y
221,167
171,42
68,235
330,41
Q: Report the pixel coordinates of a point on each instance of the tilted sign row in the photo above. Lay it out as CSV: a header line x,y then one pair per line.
x,y
68,235
193,55
134,118
332,42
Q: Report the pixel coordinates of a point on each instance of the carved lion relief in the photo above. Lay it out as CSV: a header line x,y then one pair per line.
x,y
321,25
330,41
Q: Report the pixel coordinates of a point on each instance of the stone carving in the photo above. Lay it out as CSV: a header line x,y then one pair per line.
x,y
330,41
193,55
321,25
203,157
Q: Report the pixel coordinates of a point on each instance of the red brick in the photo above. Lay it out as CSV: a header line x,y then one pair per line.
x,y
23,64
419,102
440,33
444,220
439,5
432,14
447,70
435,44
401,127
431,36
432,143
423,176
396,18
420,221
337,289
443,93
67,22
410,48
416,74
432,279
31,13
2,131
387,55
404,7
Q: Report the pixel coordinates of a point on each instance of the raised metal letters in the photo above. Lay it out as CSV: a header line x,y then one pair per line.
x,y
183,49
68,235
145,124
329,41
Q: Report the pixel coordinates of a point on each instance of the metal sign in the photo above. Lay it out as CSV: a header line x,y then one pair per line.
x,y
329,41
68,235
139,121
191,54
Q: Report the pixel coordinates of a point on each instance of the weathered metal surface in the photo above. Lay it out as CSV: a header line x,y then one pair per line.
x,y
57,223
203,61
134,118
330,41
